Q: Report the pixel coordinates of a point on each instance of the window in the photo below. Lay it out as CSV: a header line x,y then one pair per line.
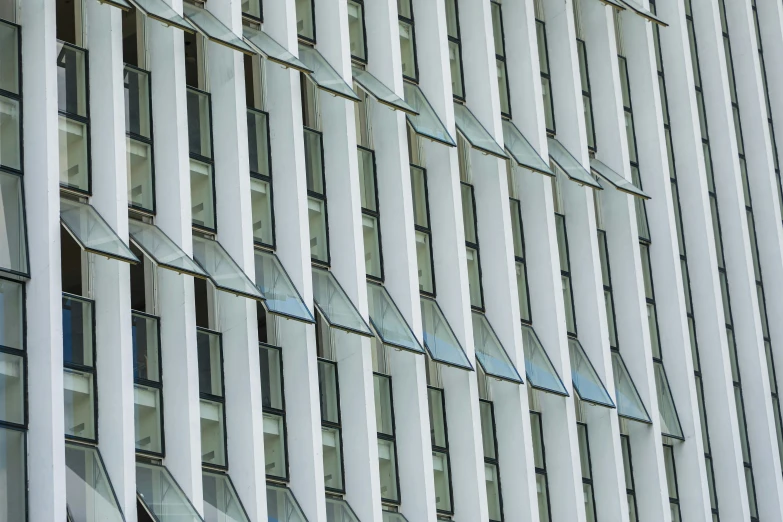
x,y
546,82
305,19
500,58
565,274
519,259
88,490
314,168
587,472
138,130
147,384
455,49
387,444
671,482
13,466
275,448
421,220
331,432
539,461
253,9
472,246
212,397
79,368
491,466
630,489
72,103
261,199
587,99
356,30
607,282
441,464
371,219
410,68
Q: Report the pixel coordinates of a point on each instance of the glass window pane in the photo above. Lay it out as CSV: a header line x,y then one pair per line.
x,y
742,425
207,24
538,440
440,467
9,58
146,355
252,8
162,496
570,165
213,446
439,338
455,64
281,504
387,320
490,353
161,11
305,19
387,469
161,249
12,396
356,29
147,413
332,454
468,213
497,28
13,233
629,404
71,80
223,271
749,483
335,305
221,502
314,169
643,12
427,123
338,510
384,418
522,151
274,446
408,50
88,491
78,330
202,194
474,278
549,107
271,377
522,292
492,480
610,318
419,190
210,363
324,75
13,467
93,233
379,91
10,130
281,295
319,240
539,369
79,401
568,302
141,191
437,417
617,180
74,166
542,494
487,429
372,246
272,50
11,314
258,139
367,179
424,262
586,381
137,102
328,389
199,123
505,104
476,134
261,205
671,478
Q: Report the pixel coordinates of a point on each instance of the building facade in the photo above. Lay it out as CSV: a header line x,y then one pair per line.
x,y
391,260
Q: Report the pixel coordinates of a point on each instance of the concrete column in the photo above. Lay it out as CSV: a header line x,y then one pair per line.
x,y
409,382
739,262
111,278
300,365
609,480
665,263
45,438
182,420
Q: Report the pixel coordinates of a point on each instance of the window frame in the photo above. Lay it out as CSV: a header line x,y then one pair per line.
x,y
412,23
476,248
625,440
267,179
567,274
376,214
149,141
457,40
364,31
604,246
427,230
305,39
588,481
594,147
496,461
252,18
280,413
85,120
22,353
443,450
217,399
25,469
209,161
502,57
393,439
338,426
548,77
673,501
321,197
543,471
157,385
523,260
17,97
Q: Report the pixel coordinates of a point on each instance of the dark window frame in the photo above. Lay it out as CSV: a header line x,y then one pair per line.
x,y
366,58
626,440
542,471
393,439
80,119
267,180
306,39
567,274
335,426
674,501
548,77
594,147
217,399
412,23
322,198
604,245
19,353
279,412
18,98
523,261
475,246
154,384
502,58
496,461
376,214
252,18
443,450
209,161
428,231
148,141
457,40
588,481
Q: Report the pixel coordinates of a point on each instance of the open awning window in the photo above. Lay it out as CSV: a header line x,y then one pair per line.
x,y
324,75
541,373
163,13
92,233
642,11
586,381
490,354
14,257
121,4
393,516
282,505
335,305
89,494
270,49
375,88
439,338
162,250
629,403
522,151
615,4
207,24
667,412
476,134
221,501
222,270
387,320
616,180
570,165
427,123
339,509
281,296
161,496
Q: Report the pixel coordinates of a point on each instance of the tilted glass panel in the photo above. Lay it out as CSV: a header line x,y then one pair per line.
x,y
476,134
338,510
540,372
161,11
272,50
393,516
586,381
223,271
10,130
88,490
221,502
380,92
281,295
281,505
335,305
667,411
643,12
490,353
387,320
522,151
13,229
324,75
12,309
618,181
74,158
427,123
93,233
207,24
13,467
439,338
161,249
162,496
570,165
629,404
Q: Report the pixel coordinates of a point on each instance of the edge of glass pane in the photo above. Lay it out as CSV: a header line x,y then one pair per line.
x,y
410,330
164,470
560,148
394,515
96,451
244,48
289,61
120,4
342,501
502,348
206,471
467,365
178,22
367,333
468,114
290,492
199,272
614,3
451,142
309,319
564,391
311,75
513,129
8,271
259,297
645,420
644,13
399,104
616,180
131,258
610,404
681,436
